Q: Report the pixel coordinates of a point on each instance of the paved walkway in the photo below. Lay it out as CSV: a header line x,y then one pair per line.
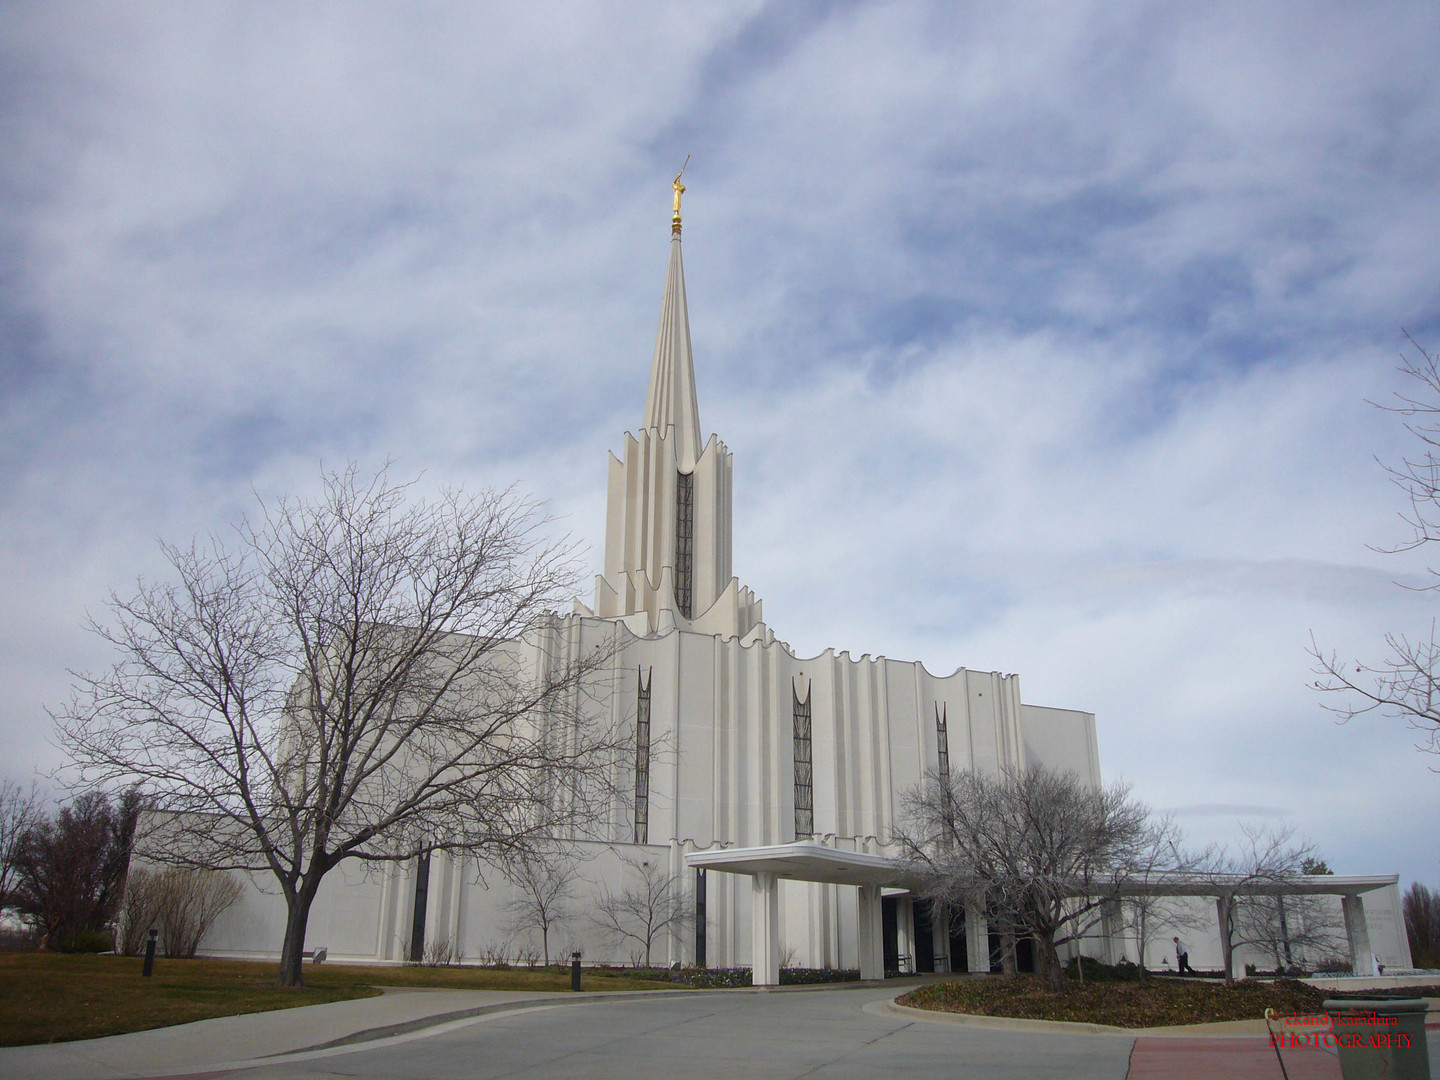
x,y
837,1031
208,1045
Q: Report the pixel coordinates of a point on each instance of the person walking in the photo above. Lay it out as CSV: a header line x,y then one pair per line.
x,y
1182,958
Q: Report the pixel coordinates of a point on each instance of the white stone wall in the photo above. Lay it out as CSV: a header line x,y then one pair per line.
x,y
721,773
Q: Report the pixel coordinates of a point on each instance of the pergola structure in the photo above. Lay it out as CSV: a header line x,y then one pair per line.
x,y
805,861
1225,887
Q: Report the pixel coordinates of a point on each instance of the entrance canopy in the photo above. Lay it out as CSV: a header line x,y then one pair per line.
x,y
1241,885
767,866
803,861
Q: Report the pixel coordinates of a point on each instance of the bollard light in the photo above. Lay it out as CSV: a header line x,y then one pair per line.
x,y
575,971
149,968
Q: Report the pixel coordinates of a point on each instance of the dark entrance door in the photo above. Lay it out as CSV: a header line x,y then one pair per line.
x,y
924,938
890,933
1025,955
959,954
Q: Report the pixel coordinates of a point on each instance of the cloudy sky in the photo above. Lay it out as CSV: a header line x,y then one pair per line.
x,y
1042,336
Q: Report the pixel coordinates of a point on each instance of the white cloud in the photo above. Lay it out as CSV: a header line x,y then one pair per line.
x,y
1041,339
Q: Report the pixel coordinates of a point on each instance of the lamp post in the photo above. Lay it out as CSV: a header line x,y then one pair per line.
x,y
575,971
149,968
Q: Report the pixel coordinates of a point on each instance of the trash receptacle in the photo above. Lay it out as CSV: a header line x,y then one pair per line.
x,y
1380,1037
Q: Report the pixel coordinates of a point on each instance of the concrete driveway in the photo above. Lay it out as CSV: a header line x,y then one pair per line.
x,y
823,1034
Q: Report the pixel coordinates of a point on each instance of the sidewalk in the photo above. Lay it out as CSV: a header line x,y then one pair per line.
x,y
213,1047
207,1047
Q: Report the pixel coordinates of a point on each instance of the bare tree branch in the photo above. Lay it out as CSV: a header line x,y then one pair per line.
x,y
1249,914
358,676
19,810
652,906
1039,851
1160,851
1404,684
544,884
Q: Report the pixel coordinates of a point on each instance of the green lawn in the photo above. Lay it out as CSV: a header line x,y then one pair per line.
x,y
1156,1002
49,997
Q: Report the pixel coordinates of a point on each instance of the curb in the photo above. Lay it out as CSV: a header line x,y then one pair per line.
x,y
1008,1023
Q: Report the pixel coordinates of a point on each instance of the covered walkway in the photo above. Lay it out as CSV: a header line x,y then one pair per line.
x,y
807,861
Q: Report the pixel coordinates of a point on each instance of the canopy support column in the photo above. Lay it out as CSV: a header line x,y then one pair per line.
x,y
977,940
765,930
1357,933
872,934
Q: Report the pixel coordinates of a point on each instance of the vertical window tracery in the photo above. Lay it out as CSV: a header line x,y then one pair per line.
x,y
685,544
942,741
642,757
804,770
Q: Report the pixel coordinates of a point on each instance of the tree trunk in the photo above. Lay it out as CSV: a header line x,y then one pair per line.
x,y
1142,935
292,953
1224,907
545,942
1047,960
1007,953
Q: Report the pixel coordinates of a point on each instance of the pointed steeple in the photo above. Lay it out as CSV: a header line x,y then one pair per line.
x,y
671,399
667,517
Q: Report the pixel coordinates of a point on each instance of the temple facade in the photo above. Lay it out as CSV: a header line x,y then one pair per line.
x,y
741,747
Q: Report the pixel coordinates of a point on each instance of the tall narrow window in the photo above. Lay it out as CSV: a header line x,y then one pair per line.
x,y
642,758
422,897
685,543
942,752
942,741
804,770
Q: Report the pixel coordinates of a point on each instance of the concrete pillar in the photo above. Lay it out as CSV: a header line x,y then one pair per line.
x,y
940,941
389,895
1357,932
765,930
977,940
1114,949
462,905
872,933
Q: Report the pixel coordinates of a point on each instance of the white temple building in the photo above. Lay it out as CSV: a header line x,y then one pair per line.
x,y
764,782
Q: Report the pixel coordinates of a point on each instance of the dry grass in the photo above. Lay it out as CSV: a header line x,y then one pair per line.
x,y
48,997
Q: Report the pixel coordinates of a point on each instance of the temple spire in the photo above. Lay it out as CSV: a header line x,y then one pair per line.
x,y
668,534
671,399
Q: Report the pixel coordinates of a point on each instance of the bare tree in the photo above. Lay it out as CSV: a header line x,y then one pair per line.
x,y
1252,908
19,810
144,896
181,903
70,868
544,884
641,913
1406,683
1040,850
191,902
353,677
1421,908
1159,853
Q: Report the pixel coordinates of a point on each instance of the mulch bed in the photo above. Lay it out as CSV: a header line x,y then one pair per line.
x,y
1147,1003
